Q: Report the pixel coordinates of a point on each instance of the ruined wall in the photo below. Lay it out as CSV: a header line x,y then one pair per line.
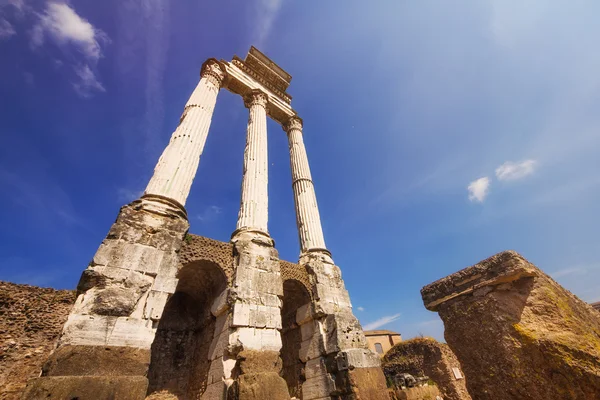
x,y
31,319
517,333
427,357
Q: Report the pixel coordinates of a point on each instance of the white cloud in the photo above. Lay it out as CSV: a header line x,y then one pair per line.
x,y
381,322
360,308
87,83
479,189
511,171
61,23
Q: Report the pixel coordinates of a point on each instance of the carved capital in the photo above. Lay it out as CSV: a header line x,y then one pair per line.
x,y
256,97
294,122
213,71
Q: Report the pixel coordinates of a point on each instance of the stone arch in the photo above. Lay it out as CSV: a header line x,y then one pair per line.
x,y
295,295
179,355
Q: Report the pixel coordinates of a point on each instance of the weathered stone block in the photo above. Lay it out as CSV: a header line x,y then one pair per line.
x,y
87,388
97,360
527,338
261,386
131,332
427,357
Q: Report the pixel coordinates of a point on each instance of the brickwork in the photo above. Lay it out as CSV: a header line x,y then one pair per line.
x,y
31,319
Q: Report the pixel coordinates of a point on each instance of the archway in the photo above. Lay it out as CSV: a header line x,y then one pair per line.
x,y
179,361
295,295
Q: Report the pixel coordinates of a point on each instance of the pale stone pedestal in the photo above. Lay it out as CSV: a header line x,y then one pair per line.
x,y
338,361
104,349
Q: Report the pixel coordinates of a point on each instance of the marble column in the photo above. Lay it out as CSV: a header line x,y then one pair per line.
x,y
307,210
177,166
253,215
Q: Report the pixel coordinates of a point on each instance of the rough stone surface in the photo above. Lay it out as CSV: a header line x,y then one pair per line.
x,y
427,357
31,319
97,360
197,248
524,337
262,386
416,393
87,388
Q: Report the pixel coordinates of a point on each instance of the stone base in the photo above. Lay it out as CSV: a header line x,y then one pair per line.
x,y
367,384
262,386
87,388
97,361
517,333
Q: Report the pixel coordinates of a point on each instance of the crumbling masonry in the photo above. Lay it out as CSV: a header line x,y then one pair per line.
x,y
159,310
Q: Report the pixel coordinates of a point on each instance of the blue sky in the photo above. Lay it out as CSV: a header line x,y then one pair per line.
x,y
438,133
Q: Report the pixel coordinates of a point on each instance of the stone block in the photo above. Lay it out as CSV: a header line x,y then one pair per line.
x,y
533,338
318,387
304,314
357,358
97,361
315,367
221,303
311,348
219,344
164,283
259,339
89,330
155,304
132,332
87,388
215,391
222,324
261,386
241,314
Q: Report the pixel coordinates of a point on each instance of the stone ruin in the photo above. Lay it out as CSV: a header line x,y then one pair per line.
x,y
31,318
517,333
427,357
182,316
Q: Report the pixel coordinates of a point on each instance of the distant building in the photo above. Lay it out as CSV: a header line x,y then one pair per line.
x,y
595,305
381,341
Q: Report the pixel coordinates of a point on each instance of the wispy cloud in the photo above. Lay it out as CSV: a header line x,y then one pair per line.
x,y
87,83
266,12
381,322
510,171
6,29
209,214
60,24
479,189
360,308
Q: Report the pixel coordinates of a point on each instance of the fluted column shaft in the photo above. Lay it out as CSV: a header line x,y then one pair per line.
x,y
307,210
254,205
177,166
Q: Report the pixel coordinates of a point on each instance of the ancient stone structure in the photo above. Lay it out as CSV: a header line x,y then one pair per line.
x,y
427,357
517,333
596,305
161,311
31,319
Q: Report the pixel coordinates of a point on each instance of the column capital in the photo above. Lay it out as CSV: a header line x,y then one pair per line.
x,y
256,97
213,71
294,122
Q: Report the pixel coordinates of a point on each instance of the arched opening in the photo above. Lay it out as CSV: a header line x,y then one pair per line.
x,y
179,361
295,295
